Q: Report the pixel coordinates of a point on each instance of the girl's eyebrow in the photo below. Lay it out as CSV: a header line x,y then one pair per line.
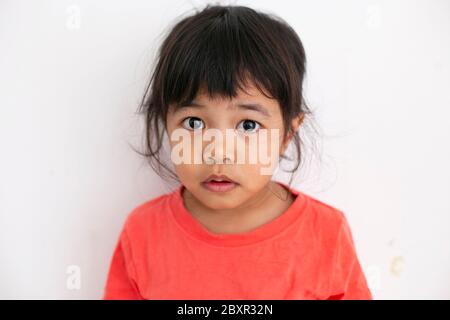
x,y
245,106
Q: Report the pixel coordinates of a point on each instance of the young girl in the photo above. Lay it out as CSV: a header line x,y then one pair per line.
x,y
229,231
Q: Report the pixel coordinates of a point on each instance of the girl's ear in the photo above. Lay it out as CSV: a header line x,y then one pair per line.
x,y
295,124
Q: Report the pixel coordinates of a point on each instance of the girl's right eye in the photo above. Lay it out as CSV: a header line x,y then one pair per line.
x,y
193,123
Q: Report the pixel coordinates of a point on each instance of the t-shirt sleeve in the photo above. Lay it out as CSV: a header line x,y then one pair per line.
x,y
348,281
121,283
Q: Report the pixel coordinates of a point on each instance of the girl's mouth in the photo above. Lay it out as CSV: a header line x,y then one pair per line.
x,y
219,186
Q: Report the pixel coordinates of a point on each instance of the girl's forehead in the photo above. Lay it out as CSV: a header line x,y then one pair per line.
x,y
249,94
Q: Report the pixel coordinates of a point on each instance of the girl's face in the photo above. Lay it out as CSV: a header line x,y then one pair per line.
x,y
225,116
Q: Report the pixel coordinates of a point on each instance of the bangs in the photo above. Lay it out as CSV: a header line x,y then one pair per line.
x,y
221,52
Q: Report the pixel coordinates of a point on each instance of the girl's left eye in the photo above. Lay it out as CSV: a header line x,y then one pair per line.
x,y
248,126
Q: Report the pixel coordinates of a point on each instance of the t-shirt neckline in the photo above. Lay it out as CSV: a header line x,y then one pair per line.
x,y
268,230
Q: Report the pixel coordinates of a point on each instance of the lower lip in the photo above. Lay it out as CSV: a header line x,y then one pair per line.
x,y
219,186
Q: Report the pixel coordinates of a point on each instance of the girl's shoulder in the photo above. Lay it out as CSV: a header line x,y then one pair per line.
x,y
317,209
148,211
327,223
322,213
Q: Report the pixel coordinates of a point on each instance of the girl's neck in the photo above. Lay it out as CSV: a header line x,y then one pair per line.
x,y
261,209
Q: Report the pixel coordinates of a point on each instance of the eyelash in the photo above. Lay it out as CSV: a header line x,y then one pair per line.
x,y
259,125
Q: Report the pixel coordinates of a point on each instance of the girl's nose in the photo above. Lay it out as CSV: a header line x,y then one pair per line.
x,y
218,160
221,150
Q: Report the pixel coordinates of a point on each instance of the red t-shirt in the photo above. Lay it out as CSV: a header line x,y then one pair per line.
x,y
163,252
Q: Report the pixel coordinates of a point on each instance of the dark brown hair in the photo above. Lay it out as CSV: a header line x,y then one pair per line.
x,y
219,48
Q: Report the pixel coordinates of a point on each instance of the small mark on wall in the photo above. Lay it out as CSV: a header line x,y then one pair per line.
x,y
397,265
391,242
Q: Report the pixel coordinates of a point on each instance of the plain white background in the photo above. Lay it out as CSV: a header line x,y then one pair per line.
x,y
73,72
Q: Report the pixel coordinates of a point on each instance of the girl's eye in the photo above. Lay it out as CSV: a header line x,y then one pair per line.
x,y
248,126
193,123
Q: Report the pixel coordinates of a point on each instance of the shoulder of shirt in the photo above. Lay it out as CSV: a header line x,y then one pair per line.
x,y
145,211
327,222
325,213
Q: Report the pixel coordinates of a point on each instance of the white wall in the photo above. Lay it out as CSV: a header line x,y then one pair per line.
x,y
72,74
